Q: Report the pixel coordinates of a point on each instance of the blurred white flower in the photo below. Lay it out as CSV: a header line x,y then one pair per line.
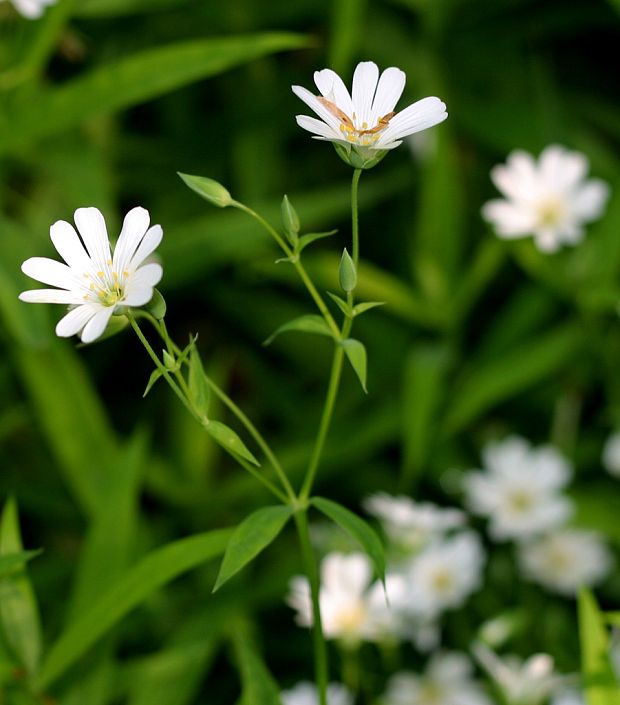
x,y
365,117
447,681
444,574
343,598
611,455
32,8
94,283
549,199
306,693
412,524
529,682
520,489
565,559
568,696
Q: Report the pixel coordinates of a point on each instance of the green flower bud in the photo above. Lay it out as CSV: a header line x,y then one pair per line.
x,y
169,361
209,189
347,274
359,157
290,221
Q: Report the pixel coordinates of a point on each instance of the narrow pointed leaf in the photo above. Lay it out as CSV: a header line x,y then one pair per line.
x,y
155,570
357,528
155,375
305,240
229,440
304,324
251,537
356,352
11,561
257,684
366,306
18,606
341,303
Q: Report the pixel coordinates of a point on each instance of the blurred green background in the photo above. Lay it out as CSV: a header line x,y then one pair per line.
x,y
101,102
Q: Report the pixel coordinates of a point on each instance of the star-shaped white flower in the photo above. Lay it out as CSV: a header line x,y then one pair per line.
x,y
93,282
365,118
32,9
549,199
521,489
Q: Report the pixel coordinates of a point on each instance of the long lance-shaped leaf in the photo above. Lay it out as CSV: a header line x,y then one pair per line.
x,y
258,685
158,568
132,81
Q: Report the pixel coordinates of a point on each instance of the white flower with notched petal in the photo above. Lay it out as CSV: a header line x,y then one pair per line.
x,y
444,574
447,681
520,490
549,199
32,9
93,282
306,694
529,682
363,123
566,559
412,524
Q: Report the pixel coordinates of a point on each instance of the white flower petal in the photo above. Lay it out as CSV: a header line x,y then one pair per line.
x,y
69,246
135,225
29,8
139,288
418,116
315,104
49,271
50,296
150,242
364,86
317,127
91,224
389,89
76,319
561,167
589,201
332,87
509,219
97,324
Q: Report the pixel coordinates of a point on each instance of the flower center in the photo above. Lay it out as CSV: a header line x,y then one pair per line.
x,y
108,287
442,582
520,501
351,619
551,212
363,135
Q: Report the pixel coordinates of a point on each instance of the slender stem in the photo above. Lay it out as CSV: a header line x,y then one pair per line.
x,y
355,253
318,299
318,640
186,403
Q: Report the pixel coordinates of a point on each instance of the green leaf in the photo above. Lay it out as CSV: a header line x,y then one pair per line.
x,y
208,189
503,377
198,387
152,572
306,324
11,561
251,537
229,440
366,306
601,685
305,240
357,528
342,304
18,606
258,685
134,80
155,375
356,352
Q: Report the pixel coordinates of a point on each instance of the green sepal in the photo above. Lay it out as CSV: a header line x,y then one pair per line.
x,y
208,189
343,305
229,440
157,305
347,273
359,157
290,221
357,528
366,306
311,323
251,537
356,353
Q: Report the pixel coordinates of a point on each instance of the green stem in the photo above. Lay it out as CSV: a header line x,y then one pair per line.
x,y
318,299
318,639
355,233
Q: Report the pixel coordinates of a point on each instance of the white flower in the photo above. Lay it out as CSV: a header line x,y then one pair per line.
x,y
568,697
565,559
529,682
412,524
343,601
611,454
549,199
93,282
365,118
447,681
520,490
444,574
306,694
32,8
